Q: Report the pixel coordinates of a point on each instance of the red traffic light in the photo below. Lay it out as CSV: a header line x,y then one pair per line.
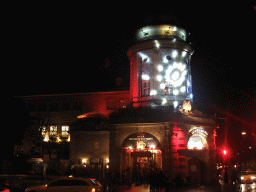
x,y
225,152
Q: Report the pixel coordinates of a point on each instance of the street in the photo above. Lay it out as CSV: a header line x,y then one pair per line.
x,y
19,183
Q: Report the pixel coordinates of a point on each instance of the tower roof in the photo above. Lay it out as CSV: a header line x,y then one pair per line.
x,y
162,18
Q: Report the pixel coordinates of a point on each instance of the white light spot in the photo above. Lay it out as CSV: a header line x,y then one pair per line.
x,y
145,77
159,78
175,92
164,101
183,89
175,75
160,68
157,44
175,104
162,86
153,92
174,53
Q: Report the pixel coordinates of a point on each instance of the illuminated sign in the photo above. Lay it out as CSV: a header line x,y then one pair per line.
x,y
140,140
199,131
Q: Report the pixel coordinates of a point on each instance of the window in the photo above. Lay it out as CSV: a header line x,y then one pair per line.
x,y
123,103
65,106
42,107
43,129
111,105
54,106
145,88
53,131
64,131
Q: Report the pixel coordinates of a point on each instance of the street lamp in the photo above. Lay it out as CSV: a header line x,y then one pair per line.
x,y
243,133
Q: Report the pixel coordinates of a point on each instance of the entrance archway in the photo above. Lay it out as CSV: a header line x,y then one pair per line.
x,y
140,152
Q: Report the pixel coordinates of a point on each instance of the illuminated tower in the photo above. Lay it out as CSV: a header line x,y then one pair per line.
x,y
160,66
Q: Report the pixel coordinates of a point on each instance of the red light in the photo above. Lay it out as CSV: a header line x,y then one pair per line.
x,y
225,152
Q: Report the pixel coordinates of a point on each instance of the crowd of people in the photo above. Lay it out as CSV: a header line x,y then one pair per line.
x,y
147,175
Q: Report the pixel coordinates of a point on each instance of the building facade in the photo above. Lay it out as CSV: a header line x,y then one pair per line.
x,y
58,118
118,133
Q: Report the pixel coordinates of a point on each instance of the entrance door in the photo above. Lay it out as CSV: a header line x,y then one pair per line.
x,y
96,167
196,171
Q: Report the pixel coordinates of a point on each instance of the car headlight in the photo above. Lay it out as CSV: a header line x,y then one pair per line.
x,y
242,178
253,177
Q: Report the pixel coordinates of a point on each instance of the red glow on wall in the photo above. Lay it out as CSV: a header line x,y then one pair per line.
x,y
178,138
178,142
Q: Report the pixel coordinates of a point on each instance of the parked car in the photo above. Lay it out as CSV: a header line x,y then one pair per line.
x,y
248,176
68,184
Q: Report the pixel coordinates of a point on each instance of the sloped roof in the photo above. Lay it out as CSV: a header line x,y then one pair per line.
x,y
150,115
140,115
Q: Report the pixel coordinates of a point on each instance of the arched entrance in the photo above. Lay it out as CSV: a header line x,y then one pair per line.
x,y
140,152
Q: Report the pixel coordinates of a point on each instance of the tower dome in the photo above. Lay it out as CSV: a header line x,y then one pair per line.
x,y
160,66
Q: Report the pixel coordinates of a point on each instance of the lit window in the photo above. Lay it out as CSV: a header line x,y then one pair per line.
x,y
43,130
64,131
53,131
123,103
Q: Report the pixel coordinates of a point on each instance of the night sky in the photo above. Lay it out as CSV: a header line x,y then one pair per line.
x,y
68,47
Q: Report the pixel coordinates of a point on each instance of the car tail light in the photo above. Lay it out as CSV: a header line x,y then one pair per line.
x,y
93,190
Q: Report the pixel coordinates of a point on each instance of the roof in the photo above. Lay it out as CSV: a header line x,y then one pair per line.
x,y
140,115
152,115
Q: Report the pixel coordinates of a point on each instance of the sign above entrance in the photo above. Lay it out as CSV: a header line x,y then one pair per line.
x,y
199,130
141,140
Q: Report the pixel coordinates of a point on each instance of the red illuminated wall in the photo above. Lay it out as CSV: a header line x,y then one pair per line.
x,y
134,71
178,142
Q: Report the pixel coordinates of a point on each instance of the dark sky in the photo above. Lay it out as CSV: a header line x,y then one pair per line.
x,y
63,47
